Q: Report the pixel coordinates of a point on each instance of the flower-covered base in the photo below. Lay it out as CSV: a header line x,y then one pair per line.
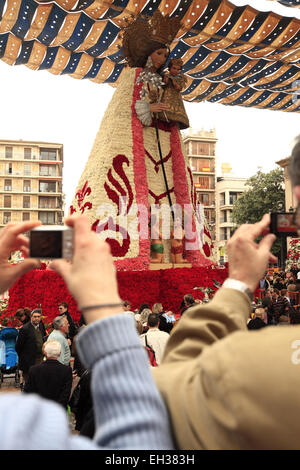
x,y
168,286
293,255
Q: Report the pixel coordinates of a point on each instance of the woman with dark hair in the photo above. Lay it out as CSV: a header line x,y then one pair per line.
x,y
23,315
143,306
138,161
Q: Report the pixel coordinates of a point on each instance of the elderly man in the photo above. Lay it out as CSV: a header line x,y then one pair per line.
x,y
227,387
60,330
50,379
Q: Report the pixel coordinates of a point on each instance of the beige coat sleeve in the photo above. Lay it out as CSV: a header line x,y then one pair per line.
x,y
229,388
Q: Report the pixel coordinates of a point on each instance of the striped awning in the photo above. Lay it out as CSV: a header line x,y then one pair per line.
x,y
234,55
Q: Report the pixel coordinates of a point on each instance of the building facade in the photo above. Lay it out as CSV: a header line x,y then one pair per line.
x,y
200,147
290,200
228,189
31,182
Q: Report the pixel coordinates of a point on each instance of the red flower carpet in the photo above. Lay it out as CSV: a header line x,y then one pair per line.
x,y
46,288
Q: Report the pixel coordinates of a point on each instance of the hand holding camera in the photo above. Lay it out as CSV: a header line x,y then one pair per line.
x,y
91,277
12,239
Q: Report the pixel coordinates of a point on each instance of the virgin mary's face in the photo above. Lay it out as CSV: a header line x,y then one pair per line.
x,y
159,57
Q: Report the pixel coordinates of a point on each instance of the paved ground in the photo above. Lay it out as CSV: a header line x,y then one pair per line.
x,y
9,383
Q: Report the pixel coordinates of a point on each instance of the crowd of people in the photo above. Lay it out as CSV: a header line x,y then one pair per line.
x,y
49,364
217,384
128,410
278,300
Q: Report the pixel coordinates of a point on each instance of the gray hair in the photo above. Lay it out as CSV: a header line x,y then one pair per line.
x,y
52,348
294,168
58,321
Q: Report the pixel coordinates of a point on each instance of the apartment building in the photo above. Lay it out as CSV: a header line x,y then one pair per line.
x,y
200,146
228,189
31,182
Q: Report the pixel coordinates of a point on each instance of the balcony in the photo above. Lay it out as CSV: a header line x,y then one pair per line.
x,y
56,208
198,187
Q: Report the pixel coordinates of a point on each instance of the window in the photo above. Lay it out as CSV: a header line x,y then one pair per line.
x,y
26,186
232,198
47,170
27,168
224,233
7,201
222,199
25,216
26,202
8,168
27,153
48,154
204,165
7,185
8,152
47,186
201,164
204,199
209,216
200,148
204,182
47,218
223,217
47,202
6,217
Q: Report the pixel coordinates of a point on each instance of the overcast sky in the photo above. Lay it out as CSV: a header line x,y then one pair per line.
x,y
36,105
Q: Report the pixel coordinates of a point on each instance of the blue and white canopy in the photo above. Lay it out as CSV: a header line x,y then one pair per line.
x,y
235,55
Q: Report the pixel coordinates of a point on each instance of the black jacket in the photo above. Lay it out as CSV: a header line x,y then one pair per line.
x,y
164,325
51,380
85,402
72,326
26,347
256,324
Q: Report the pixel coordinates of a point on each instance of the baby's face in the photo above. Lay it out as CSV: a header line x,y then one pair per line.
x,y
175,69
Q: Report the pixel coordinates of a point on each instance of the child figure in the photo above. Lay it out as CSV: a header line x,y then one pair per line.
x,y
174,81
177,235
157,247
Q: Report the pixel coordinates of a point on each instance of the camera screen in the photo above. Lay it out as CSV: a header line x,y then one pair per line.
x,y
285,223
46,244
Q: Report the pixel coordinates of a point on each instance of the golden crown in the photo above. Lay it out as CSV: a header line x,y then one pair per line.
x,y
141,32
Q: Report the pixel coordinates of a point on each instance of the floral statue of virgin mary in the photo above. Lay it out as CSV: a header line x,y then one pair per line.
x,y
137,164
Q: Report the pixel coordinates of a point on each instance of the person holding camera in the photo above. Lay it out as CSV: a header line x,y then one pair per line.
x,y
129,411
235,389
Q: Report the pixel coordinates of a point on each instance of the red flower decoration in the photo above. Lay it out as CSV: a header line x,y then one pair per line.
x,y
168,286
80,196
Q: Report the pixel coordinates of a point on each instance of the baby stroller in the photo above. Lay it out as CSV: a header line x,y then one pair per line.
x,y
8,355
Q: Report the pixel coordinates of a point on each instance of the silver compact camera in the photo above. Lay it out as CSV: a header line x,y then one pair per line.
x,y
51,241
